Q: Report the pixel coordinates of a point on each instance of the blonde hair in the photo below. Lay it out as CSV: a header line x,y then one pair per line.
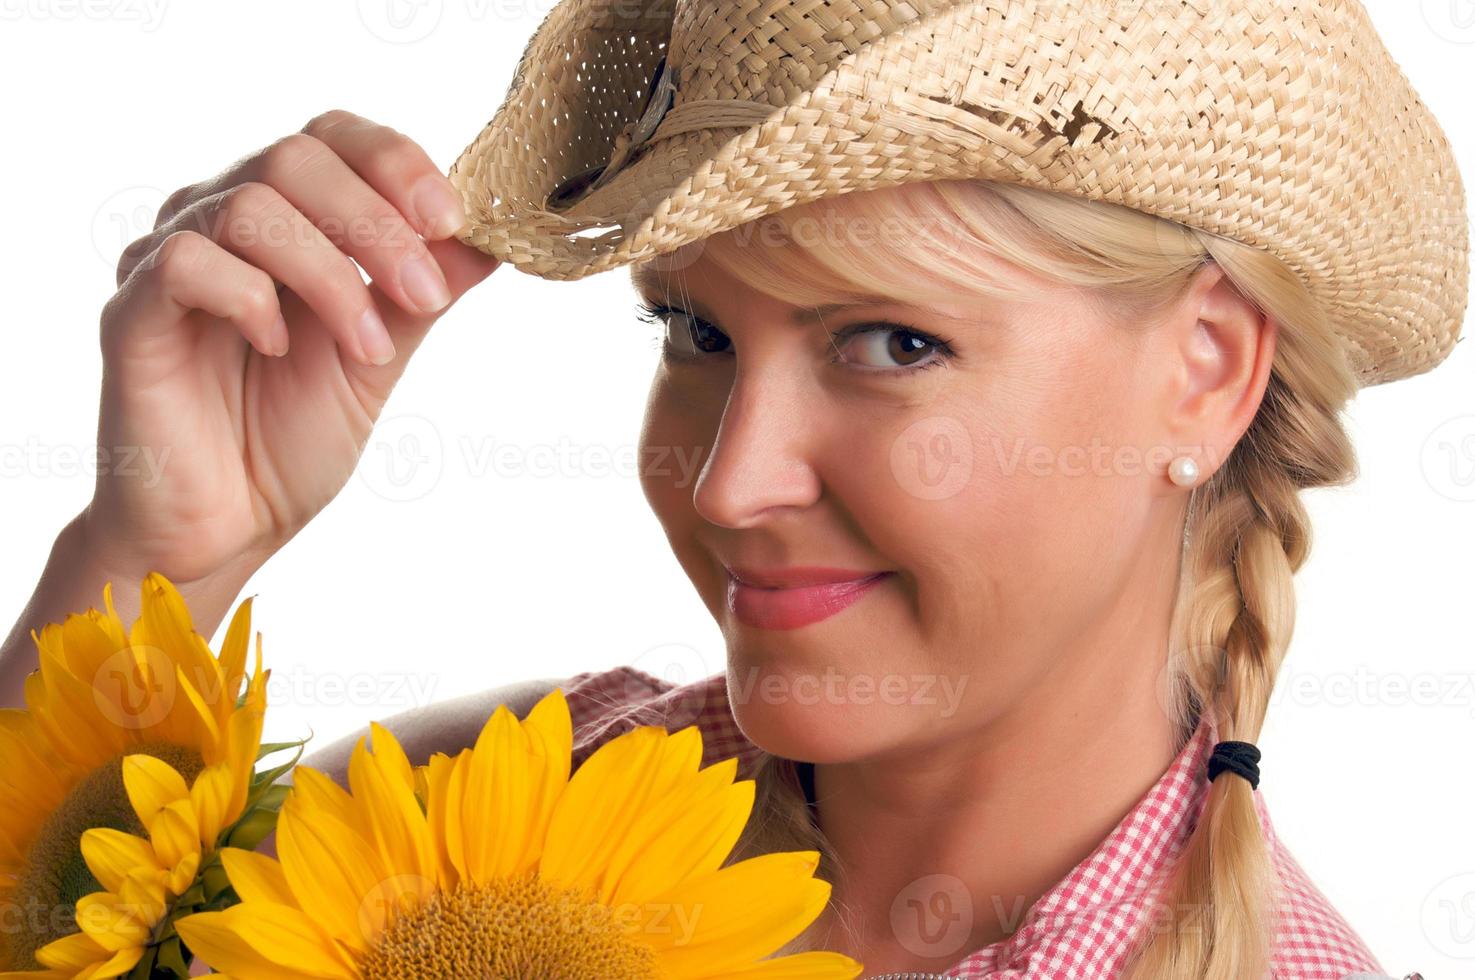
x,y
1246,530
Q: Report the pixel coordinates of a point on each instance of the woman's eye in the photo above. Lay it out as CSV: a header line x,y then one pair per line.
x,y
688,336
876,348
887,346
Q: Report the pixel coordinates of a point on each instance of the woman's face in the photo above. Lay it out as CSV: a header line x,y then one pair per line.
x,y
994,464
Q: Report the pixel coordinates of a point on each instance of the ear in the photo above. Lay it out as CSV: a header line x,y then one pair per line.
x,y
1225,346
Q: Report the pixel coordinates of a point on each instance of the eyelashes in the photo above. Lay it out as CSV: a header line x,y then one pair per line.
x,y
941,349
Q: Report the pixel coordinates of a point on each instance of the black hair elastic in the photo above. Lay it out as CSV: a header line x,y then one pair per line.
x,y
1236,757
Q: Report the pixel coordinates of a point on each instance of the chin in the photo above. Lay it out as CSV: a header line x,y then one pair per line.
x,y
792,712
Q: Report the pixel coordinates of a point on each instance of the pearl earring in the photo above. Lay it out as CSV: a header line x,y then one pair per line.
x,y
1183,471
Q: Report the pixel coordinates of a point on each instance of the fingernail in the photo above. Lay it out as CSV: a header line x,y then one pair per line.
x,y
424,283
374,338
279,337
439,207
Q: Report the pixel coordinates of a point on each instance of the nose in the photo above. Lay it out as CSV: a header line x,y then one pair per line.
x,y
760,463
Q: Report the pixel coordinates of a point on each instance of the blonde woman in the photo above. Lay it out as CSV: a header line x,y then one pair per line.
x,y
1061,781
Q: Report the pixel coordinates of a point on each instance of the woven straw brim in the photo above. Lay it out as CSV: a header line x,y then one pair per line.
x,y
1285,126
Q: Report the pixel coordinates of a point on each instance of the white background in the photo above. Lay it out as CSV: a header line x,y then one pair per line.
x,y
496,530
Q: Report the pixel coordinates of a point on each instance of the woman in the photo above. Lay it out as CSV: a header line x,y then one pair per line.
x,y
1054,458
1040,599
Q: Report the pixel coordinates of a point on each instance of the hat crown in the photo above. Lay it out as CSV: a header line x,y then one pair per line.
x,y
775,52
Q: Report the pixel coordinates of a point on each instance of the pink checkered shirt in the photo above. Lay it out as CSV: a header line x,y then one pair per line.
x,y
1081,927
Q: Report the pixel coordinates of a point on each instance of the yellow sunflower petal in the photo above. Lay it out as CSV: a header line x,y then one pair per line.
x,y
86,647
175,834
118,964
334,872
211,798
243,740
165,632
110,922
438,802
233,650
817,965
205,731
317,792
145,892
256,877
112,855
12,854
384,786
152,784
70,953
110,622
184,874
36,780
167,620
390,755
265,941
422,781
550,735
65,707
688,835
496,798
48,639
608,795
721,921
445,811
77,957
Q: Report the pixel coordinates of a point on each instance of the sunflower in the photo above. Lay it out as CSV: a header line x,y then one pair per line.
x,y
496,863
135,752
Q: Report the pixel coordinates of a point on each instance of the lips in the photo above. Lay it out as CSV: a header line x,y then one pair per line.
x,y
798,596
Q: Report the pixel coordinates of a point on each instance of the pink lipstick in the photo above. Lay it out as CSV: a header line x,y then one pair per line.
x,y
788,598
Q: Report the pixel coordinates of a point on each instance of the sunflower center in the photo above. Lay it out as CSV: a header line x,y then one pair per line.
x,y
513,929
55,876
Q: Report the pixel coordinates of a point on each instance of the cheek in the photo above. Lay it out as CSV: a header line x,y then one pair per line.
x,y
993,521
673,448
674,442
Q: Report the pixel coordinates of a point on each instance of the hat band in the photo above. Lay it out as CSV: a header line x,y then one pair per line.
x,y
660,120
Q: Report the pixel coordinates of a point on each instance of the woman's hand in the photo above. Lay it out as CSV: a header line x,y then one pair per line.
x,y
255,424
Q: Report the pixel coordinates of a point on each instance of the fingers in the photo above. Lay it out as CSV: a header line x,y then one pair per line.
x,y
256,223
363,188
395,166
187,272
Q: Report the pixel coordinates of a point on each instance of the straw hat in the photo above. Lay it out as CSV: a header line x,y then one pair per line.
x,y
633,127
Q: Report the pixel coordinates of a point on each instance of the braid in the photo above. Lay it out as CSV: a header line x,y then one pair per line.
x,y
1251,534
